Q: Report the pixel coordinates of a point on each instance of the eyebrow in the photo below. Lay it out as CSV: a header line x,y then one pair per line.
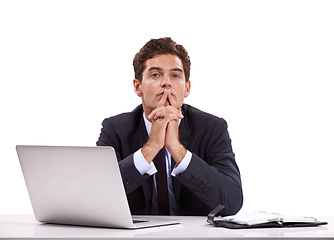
x,y
154,68
176,69
160,69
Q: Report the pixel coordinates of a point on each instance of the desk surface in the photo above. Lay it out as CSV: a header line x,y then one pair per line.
x,y
25,226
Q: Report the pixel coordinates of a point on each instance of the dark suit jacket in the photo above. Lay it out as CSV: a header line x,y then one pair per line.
x,y
212,177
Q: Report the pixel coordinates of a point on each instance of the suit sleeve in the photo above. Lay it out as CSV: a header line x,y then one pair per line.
x,y
131,177
214,176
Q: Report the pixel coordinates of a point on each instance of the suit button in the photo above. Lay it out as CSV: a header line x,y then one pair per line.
x,y
202,186
205,189
193,179
127,181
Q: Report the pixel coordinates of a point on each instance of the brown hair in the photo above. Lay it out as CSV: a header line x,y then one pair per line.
x,y
160,46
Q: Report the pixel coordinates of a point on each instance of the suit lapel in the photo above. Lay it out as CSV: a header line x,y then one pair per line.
x,y
185,132
140,137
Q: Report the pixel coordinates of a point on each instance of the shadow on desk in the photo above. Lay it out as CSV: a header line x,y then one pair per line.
x,y
59,230
180,231
274,233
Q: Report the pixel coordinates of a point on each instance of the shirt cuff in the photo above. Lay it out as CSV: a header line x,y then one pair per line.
x,y
178,169
142,165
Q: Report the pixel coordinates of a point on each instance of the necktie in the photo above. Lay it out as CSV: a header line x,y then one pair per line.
x,y
161,181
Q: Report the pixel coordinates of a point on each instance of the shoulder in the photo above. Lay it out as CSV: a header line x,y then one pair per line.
x,y
197,116
127,119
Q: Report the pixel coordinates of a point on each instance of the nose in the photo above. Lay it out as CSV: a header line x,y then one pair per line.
x,y
166,83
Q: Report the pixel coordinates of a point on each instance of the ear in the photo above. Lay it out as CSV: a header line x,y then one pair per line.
x,y
187,89
137,87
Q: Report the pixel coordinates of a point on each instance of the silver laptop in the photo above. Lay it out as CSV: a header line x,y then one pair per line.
x,y
79,186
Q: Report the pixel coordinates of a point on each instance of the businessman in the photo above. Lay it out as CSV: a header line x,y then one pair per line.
x,y
174,159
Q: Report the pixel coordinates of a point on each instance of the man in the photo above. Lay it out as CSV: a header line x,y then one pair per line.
x,y
194,146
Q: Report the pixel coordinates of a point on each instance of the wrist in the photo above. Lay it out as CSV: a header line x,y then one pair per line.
x,y
178,152
149,151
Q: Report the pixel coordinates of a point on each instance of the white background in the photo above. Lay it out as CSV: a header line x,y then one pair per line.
x,y
267,67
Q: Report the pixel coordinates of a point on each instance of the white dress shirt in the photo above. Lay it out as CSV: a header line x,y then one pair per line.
x,y
144,167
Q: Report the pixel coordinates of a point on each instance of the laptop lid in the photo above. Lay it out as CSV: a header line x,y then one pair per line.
x,y
78,186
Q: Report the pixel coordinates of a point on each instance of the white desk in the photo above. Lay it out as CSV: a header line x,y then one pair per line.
x,y
25,227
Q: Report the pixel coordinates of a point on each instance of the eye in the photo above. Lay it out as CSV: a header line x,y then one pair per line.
x,y
155,75
176,76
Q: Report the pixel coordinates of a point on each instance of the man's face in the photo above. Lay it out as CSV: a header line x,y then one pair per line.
x,y
163,71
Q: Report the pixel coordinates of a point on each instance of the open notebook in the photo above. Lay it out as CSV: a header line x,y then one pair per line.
x,y
260,219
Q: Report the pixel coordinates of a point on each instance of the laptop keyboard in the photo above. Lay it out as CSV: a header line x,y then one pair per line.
x,y
138,221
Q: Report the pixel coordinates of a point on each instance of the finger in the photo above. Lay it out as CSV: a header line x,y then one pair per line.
x,y
171,115
162,112
174,110
153,113
163,99
171,99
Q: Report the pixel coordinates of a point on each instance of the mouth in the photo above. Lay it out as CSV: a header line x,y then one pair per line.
x,y
161,92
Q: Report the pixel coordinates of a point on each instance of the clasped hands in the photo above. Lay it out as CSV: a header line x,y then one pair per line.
x,y
165,130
